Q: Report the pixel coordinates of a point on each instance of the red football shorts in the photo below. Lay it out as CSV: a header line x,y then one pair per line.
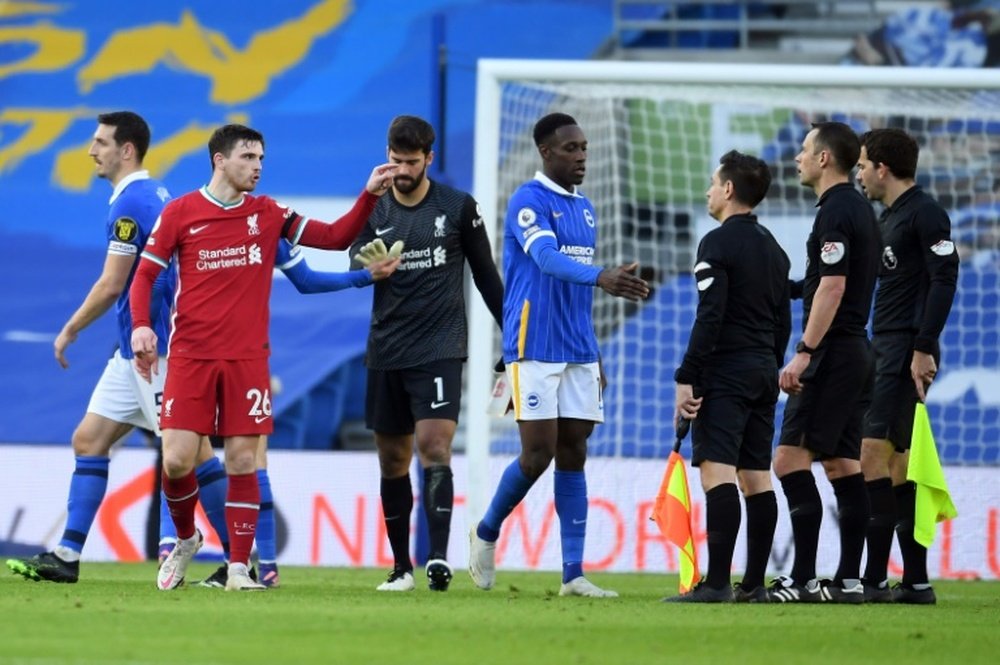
x,y
223,397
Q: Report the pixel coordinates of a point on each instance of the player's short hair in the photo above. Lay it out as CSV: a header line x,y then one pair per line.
x,y
409,133
750,176
129,128
547,126
841,141
225,138
894,148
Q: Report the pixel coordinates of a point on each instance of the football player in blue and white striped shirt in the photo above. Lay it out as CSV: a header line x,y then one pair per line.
x,y
550,347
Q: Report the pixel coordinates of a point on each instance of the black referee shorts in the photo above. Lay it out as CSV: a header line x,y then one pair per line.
x,y
735,425
894,400
395,399
826,417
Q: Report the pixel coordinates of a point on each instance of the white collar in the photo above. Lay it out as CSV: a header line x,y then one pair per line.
x,y
126,181
549,183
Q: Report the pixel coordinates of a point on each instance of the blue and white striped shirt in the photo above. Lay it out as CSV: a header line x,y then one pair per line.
x,y
549,250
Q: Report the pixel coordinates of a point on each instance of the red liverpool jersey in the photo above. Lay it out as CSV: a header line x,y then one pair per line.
x,y
225,260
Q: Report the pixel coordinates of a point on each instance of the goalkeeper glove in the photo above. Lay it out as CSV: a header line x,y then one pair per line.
x,y
375,251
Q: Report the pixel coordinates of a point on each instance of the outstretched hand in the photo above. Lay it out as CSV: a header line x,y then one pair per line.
x,y
622,282
380,180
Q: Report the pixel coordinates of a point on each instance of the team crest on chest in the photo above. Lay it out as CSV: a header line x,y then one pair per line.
x,y
588,217
252,228
439,223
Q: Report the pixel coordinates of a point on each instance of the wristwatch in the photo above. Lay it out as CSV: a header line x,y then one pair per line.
x,y
802,348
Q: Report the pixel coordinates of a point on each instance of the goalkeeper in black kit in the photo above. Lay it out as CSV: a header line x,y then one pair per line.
x,y
917,282
728,380
417,343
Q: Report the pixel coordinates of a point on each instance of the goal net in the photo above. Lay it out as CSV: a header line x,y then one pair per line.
x,y
656,132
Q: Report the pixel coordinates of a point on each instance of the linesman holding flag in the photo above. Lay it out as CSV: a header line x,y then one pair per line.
x,y
737,344
917,281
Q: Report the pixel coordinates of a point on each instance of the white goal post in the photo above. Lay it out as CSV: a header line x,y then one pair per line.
x,y
656,131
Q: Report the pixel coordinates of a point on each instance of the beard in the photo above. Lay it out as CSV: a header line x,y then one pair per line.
x,y
406,185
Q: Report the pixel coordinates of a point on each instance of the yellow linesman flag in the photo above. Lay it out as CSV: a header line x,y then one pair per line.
x,y
933,501
672,513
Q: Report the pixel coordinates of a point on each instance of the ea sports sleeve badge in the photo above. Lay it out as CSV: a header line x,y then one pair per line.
x,y
943,248
831,253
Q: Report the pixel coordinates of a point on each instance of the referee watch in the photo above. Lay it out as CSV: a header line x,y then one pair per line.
x,y
802,347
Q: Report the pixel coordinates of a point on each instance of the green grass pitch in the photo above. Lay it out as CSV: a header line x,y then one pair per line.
x,y
115,615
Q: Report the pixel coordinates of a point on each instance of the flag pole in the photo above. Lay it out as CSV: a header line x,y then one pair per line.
x,y
682,430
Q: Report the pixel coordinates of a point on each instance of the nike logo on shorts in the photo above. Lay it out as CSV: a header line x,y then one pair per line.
x,y
438,405
259,419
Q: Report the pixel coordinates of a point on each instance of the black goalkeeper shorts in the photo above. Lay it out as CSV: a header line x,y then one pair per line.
x,y
395,399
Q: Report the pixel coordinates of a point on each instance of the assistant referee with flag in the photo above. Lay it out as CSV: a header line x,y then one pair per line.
x,y
737,344
917,282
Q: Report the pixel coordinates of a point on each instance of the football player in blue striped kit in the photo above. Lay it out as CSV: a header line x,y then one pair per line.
x,y
550,347
120,402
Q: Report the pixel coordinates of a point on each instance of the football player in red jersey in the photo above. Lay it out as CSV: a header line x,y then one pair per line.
x,y
224,241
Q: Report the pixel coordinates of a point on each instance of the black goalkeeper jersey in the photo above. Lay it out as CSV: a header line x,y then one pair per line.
x,y
844,241
418,314
919,271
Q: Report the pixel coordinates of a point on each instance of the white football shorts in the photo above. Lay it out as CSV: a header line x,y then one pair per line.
x,y
543,391
123,396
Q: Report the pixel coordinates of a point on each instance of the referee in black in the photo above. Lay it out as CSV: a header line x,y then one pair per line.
x,y
737,345
917,282
417,343
829,378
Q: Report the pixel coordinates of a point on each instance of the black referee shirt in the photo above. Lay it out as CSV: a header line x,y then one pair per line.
x,y
418,314
919,271
743,302
844,241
